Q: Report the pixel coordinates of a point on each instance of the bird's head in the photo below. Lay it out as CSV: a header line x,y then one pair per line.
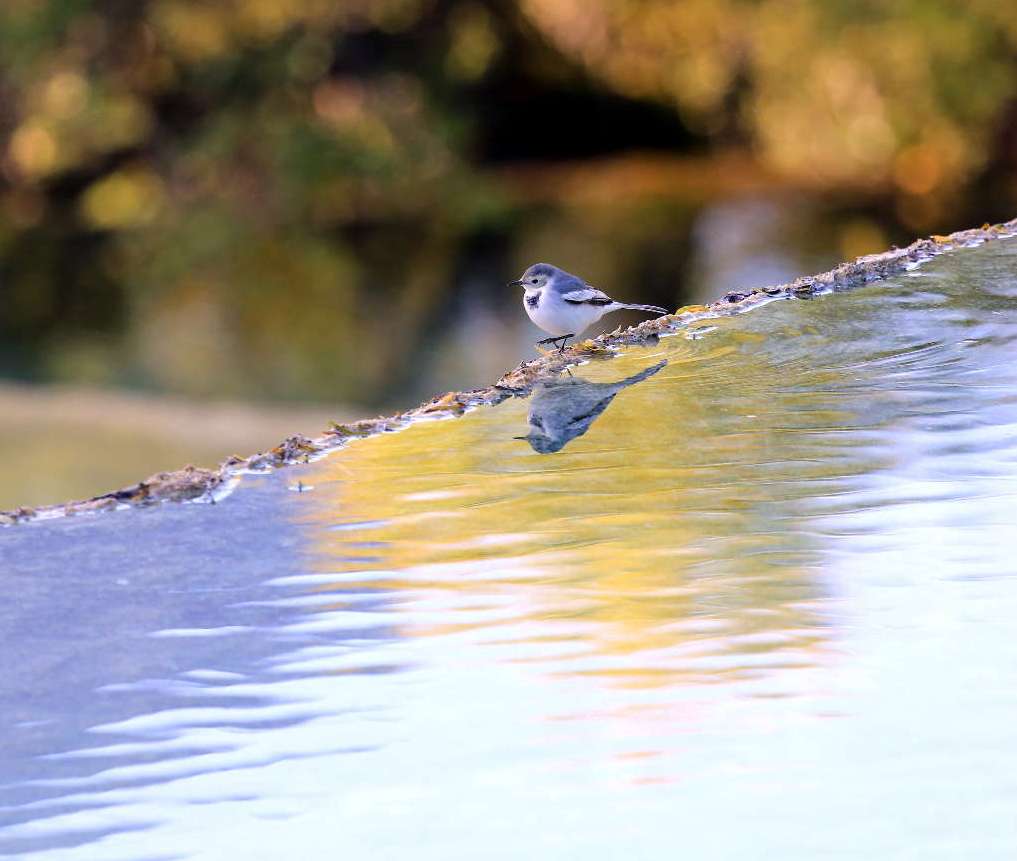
x,y
537,276
542,443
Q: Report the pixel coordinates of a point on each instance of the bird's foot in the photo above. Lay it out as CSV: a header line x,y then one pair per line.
x,y
562,338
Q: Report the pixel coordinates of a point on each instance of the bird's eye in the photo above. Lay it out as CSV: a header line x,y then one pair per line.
x,y
533,280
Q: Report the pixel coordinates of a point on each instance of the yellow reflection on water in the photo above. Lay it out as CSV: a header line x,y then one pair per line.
x,y
658,547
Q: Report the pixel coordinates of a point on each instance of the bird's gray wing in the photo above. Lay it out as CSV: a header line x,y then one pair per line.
x,y
587,296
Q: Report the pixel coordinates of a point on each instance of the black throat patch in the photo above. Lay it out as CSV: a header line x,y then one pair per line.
x,y
533,301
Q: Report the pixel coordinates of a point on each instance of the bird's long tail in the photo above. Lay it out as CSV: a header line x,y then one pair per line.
x,y
653,309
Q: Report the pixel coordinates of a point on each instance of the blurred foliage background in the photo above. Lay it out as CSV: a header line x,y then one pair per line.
x,y
322,200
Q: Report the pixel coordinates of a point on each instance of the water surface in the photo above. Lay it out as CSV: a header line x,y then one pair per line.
x,y
758,603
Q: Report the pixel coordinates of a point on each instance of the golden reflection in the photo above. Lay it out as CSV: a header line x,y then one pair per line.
x,y
659,547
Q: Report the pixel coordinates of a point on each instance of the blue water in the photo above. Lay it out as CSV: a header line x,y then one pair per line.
x,y
761,605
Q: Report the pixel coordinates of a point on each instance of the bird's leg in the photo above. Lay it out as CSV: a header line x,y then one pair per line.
x,y
554,341
562,338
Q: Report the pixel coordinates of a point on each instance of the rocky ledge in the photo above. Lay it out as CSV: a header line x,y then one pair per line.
x,y
193,484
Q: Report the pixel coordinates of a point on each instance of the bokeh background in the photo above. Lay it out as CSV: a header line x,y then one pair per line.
x,y
222,217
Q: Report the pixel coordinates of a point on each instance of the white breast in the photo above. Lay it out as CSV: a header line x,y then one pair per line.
x,y
557,317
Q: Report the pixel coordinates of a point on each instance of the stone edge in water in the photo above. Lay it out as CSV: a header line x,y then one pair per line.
x,y
194,484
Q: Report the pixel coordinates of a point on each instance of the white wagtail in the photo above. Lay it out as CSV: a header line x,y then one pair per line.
x,y
563,305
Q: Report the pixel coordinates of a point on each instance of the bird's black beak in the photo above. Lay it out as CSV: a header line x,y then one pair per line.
x,y
517,283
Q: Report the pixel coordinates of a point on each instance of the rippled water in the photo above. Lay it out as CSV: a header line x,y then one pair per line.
x,y
759,603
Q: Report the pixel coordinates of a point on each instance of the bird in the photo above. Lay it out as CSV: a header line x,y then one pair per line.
x,y
563,305
563,409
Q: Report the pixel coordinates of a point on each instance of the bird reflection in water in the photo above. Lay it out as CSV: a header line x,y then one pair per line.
x,y
561,410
